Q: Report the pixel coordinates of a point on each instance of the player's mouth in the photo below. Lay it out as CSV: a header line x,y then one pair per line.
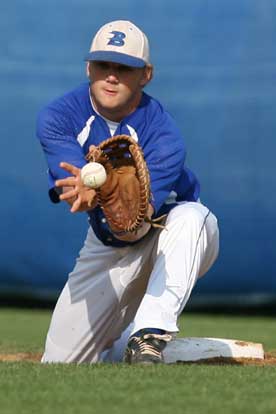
x,y
110,92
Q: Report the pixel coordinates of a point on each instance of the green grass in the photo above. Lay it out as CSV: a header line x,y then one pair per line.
x,y
32,388
29,388
23,330
248,328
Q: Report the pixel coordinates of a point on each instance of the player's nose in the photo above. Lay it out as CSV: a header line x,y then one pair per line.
x,y
113,73
112,78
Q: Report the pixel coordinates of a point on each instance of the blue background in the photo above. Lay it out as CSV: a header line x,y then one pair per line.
x,y
215,65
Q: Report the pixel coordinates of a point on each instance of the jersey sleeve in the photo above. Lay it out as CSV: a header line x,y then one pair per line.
x,y
165,155
59,142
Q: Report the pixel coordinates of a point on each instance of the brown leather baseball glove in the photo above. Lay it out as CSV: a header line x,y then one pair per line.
x,y
125,195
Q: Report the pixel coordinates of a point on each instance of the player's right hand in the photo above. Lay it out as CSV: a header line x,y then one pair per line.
x,y
75,193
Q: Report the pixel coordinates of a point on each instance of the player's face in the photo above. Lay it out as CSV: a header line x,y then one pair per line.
x,y
116,89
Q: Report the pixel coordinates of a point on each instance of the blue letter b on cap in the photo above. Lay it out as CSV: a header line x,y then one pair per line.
x,y
117,39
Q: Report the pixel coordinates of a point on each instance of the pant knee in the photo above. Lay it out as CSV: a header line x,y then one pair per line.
x,y
189,213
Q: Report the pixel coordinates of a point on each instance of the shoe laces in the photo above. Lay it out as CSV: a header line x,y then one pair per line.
x,y
151,344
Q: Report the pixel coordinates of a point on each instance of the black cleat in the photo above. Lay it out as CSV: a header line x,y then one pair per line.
x,y
146,348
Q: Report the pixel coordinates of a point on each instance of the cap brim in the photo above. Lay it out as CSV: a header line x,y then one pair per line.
x,y
115,57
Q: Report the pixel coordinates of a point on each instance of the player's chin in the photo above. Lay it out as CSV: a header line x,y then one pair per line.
x,y
113,105
109,100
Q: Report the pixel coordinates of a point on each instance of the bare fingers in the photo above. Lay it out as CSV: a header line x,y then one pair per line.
x,y
75,207
71,181
69,194
70,168
67,182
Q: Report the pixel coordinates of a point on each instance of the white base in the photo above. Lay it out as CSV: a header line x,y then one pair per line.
x,y
195,349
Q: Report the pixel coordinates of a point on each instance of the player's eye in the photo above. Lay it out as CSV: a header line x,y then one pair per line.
x,y
124,68
101,65
116,67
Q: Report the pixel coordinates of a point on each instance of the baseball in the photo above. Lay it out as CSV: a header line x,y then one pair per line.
x,y
93,175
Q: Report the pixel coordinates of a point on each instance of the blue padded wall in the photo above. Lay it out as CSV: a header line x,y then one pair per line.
x,y
215,65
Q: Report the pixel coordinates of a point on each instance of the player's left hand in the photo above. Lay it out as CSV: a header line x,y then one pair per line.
x,y
125,195
75,193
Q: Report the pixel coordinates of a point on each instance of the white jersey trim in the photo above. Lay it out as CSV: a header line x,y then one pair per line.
x,y
132,132
84,134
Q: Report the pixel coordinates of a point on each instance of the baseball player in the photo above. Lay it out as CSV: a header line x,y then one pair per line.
x,y
123,298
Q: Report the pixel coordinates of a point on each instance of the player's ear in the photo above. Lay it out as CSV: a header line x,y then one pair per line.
x,y
88,69
147,75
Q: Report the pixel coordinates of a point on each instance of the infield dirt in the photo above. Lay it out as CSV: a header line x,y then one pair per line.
x,y
269,359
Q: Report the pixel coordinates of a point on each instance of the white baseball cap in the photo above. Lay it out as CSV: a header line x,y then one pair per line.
x,y
120,42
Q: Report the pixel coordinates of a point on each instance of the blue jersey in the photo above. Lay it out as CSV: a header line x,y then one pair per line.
x,y
69,125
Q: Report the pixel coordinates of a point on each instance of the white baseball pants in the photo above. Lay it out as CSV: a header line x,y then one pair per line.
x,y
113,292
